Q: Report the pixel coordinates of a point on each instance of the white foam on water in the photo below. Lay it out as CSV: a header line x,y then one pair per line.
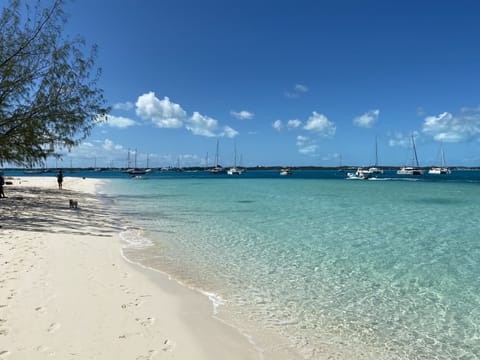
x,y
134,238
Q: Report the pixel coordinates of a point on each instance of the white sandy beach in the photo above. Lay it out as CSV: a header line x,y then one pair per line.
x,y
66,292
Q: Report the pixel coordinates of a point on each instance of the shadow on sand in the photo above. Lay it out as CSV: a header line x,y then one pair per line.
x,y
48,210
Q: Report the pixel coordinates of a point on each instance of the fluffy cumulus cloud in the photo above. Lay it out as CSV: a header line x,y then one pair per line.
x,y
242,115
449,128
118,121
228,132
199,124
294,124
203,125
368,119
319,124
277,125
167,114
163,113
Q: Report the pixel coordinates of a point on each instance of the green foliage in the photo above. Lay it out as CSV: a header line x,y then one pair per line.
x,y
48,86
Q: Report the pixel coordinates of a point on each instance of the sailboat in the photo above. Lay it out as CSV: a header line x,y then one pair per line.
x,y
217,169
178,168
375,169
135,170
235,170
412,170
442,169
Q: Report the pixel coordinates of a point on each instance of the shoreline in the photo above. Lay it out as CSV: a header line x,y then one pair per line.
x,y
67,291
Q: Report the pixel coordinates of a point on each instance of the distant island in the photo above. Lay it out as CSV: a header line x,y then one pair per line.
x,y
200,168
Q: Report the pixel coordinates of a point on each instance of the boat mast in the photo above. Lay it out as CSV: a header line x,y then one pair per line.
x,y
415,159
442,156
216,156
376,151
235,155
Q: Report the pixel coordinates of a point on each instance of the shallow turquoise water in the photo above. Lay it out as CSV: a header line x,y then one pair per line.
x,y
388,267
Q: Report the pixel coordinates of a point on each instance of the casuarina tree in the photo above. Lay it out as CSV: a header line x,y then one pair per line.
x,y
49,94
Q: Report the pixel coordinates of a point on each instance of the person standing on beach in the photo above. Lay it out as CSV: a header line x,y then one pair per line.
x,y
2,182
60,179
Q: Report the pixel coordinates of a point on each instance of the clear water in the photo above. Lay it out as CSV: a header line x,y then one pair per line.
x,y
347,269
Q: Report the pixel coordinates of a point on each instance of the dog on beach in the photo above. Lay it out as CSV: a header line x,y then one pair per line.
x,y
73,204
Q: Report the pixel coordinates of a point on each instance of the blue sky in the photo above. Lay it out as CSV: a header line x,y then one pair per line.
x,y
290,82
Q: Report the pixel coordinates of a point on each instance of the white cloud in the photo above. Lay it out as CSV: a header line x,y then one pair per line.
x,y
321,125
449,128
87,144
308,150
118,121
123,106
368,119
242,115
294,124
298,89
229,132
166,114
109,145
202,125
163,113
301,88
306,146
277,125
400,139
301,140
101,152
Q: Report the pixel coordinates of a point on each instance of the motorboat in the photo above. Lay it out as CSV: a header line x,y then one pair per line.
x,y
360,174
286,172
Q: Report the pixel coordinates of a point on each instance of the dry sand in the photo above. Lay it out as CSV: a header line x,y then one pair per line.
x,y
67,293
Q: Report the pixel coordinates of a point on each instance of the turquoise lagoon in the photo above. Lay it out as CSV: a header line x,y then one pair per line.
x,y
386,269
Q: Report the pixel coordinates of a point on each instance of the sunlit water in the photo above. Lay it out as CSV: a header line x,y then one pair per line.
x,y
356,269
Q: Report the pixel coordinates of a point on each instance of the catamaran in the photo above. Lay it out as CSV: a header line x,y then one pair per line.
x,y
442,169
235,170
412,170
375,169
217,169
